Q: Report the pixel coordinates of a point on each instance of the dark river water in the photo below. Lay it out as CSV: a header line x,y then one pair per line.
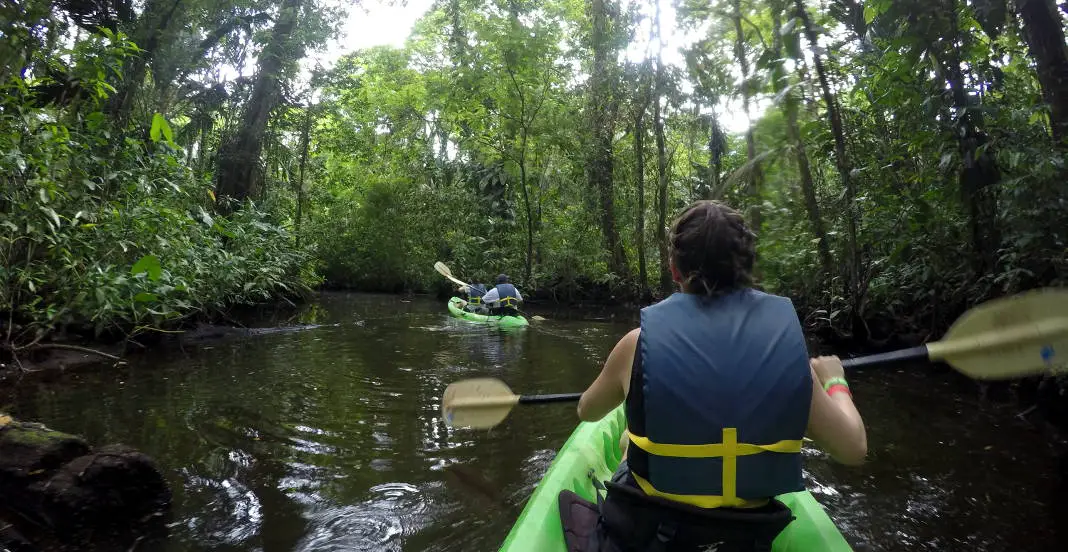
x,y
330,438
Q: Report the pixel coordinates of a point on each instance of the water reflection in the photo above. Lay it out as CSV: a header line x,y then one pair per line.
x,y
380,523
331,438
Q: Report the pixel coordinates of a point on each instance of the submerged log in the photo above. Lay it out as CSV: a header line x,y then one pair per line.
x,y
59,484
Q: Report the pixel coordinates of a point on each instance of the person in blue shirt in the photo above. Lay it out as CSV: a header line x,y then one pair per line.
x,y
719,392
504,299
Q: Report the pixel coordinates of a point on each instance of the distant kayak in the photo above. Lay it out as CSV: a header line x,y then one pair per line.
x,y
593,449
456,309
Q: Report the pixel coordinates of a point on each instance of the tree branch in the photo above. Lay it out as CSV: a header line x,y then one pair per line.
x,y
75,348
757,29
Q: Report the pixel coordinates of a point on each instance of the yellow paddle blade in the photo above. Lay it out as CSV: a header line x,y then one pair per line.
x,y
444,271
1009,337
480,403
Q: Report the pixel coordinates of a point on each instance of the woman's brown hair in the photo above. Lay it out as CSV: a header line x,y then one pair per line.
x,y
713,249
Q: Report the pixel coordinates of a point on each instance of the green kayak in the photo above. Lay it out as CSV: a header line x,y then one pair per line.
x,y
456,309
594,447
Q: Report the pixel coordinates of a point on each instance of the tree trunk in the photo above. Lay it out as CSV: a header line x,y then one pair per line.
x,y
639,156
852,254
526,201
305,136
458,46
979,171
666,284
1046,43
808,190
716,143
238,172
148,35
756,175
602,107
793,132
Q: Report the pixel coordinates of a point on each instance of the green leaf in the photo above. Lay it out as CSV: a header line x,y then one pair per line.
x,y
869,14
789,27
222,230
52,215
205,217
166,128
149,264
782,94
145,297
157,127
94,120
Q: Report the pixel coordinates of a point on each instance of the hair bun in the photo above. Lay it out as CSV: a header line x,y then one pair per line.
x,y
713,247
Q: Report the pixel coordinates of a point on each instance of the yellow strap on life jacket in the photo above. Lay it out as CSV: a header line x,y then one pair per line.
x,y
509,302
716,450
474,300
730,449
701,501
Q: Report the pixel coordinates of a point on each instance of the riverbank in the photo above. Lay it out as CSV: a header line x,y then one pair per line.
x,y
1042,400
72,351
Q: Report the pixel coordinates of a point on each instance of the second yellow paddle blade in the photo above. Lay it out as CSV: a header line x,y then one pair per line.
x,y
480,403
1009,337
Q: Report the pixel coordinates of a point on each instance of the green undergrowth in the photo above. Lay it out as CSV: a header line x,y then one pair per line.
x,y
106,231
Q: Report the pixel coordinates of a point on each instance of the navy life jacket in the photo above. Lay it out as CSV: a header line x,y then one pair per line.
x,y
475,293
508,296
719,400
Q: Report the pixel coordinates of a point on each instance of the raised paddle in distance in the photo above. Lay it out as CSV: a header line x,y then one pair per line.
x,y
1004,338
444,271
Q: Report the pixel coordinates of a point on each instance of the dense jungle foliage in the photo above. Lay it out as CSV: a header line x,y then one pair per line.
x,y
165,158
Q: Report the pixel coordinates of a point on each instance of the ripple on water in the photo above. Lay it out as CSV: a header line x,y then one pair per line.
x,y
232,513
534,468
303,482
381,523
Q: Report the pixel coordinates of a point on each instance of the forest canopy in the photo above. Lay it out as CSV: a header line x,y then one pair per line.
x,y
167,158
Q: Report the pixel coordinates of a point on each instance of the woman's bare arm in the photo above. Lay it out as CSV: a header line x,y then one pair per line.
x,y
834,422
611,386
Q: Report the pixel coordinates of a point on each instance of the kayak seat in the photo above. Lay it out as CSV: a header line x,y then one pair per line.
x,y
579,518
628,520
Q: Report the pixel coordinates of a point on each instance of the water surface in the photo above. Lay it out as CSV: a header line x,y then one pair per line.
x,y
330,438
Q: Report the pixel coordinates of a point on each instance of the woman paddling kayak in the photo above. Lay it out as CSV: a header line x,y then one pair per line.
x,y
719,392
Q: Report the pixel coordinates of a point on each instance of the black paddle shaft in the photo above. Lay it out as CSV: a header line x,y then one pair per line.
x,y
915,353
560,397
